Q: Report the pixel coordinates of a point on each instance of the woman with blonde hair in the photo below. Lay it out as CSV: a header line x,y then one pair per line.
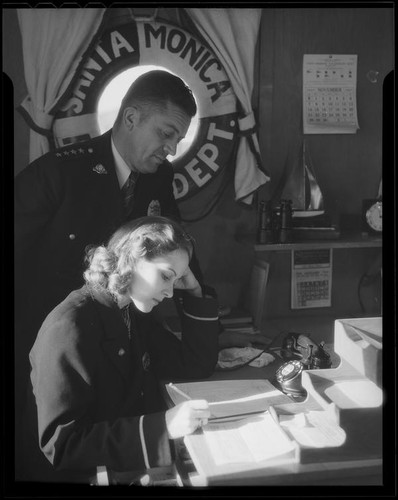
x,y
100,354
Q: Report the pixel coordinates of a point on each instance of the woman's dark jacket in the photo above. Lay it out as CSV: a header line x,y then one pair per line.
x,y
97,392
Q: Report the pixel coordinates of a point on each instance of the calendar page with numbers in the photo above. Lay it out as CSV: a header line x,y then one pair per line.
x,y
311,278
329,94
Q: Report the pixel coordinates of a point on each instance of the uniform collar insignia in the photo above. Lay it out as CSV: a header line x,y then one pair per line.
x,y
100,169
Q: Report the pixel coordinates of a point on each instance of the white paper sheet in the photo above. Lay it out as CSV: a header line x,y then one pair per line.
x,y
311,284
314,429
250,440
329,94
230,397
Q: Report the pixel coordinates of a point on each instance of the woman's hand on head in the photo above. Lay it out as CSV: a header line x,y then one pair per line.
x,y
189,283
186,417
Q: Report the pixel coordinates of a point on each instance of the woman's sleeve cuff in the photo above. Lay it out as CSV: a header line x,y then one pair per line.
x,y
154,440
201,308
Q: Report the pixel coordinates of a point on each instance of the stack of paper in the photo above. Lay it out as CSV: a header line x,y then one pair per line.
x,y
249,440
227,398
241,449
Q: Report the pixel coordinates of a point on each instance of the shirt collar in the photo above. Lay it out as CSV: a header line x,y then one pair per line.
x,y
122,169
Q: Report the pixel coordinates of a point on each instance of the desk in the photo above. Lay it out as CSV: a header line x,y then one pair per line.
x,y
340,470
355,471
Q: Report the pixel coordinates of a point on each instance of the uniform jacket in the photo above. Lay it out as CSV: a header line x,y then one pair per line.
x,y
96,391
66,200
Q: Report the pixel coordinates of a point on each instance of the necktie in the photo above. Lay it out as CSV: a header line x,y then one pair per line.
x,y
128,191
127,319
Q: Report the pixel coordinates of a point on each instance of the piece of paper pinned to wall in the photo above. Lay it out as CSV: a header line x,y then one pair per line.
x,y
329,94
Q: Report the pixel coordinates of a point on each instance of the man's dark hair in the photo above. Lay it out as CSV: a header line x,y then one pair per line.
x,y
159,88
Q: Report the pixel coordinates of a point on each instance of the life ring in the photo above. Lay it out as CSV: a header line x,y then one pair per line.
x,y
168,46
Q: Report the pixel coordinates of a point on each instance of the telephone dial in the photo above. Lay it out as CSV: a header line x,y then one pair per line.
x,y
300,353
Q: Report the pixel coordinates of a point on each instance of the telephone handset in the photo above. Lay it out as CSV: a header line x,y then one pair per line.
x,y
303,348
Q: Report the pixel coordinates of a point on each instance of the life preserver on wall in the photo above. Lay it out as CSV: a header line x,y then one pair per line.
x,y
161,44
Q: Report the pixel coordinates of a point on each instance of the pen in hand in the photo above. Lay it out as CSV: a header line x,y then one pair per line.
x,y
227,417
272,412
178,391
234,416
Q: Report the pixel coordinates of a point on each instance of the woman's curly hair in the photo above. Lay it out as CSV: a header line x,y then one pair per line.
x,y
111,266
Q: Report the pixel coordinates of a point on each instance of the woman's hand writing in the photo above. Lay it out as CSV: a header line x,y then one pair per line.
x,y
186,417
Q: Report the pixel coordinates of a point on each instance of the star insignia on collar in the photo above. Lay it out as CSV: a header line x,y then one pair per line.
x,y
100,169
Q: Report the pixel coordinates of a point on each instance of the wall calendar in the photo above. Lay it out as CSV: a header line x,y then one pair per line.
x,y
329,94
311,278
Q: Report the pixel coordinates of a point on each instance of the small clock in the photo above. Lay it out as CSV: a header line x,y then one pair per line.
x,y
372,216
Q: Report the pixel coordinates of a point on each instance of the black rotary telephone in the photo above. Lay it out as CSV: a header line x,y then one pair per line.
x,y
300,353
308,352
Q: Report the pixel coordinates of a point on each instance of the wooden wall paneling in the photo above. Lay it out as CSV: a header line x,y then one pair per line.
x,y
348,167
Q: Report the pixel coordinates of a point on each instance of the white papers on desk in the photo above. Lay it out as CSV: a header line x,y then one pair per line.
x,y
314,429
254,439
329,94
231,397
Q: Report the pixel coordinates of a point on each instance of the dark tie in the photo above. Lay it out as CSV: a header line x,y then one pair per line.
x,y
127,319
128,191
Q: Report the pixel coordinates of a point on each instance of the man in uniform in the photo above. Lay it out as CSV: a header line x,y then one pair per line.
x,y
79,195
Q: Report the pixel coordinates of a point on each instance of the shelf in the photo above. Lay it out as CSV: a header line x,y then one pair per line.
x,y
356,240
